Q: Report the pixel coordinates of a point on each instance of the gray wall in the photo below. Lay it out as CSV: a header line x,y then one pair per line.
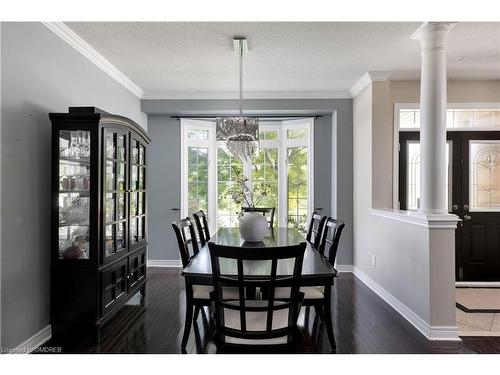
x,y
40,74
165,160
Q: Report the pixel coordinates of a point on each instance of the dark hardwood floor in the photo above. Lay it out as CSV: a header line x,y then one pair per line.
x,y
363,323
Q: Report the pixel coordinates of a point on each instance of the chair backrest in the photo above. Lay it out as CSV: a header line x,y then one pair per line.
x,y
315,229
202,226
238,318
330,239
266,211
186,239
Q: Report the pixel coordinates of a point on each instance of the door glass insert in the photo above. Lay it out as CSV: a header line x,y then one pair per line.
x,y
197,174
456,118
121,206
297,187
138,193
116,186
413,175
110,175
484,175
228,168
110,239
121,177
265,177
133,230
74,194
135,152
110,207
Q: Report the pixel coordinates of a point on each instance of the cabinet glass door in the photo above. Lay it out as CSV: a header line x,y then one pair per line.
x,y
115,186
137,192
74,194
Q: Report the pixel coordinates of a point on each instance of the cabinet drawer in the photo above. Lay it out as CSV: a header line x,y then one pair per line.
x,y
137,268
113,286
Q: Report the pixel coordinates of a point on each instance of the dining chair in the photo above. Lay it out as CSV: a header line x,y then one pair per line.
x,y
197,296
266,211
317,296
201,222
315,229
330,239
268,322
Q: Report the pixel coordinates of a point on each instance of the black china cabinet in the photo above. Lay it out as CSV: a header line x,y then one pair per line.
x,y
99,216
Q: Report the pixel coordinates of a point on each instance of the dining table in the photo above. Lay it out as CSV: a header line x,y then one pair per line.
x,y
316,270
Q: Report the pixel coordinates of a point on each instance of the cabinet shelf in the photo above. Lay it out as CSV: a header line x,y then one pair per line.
x,y
74,161
82,192
73,224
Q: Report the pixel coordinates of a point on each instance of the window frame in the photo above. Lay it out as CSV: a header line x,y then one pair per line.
x,y
396,129
186,126
281,144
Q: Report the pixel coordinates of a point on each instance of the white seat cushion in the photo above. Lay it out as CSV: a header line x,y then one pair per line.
x,y
310,292
255,321
203,292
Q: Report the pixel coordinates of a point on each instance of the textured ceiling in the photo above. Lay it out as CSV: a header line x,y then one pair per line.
x,y
195,57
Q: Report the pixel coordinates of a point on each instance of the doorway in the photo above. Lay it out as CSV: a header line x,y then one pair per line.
x,y
473,195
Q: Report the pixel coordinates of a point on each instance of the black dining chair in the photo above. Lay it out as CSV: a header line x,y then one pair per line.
x,y
317,296
268,212
315,229
201,222
330,239
197,296
269,322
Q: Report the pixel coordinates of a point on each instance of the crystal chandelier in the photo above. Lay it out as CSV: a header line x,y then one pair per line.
x,y
238,135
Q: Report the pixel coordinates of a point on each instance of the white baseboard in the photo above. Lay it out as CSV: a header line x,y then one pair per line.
x,y
34,341
448,333
164,263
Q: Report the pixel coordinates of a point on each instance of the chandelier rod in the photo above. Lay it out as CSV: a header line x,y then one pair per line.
x,y
240,53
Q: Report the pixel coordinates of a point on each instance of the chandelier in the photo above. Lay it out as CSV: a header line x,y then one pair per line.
x,y
238,135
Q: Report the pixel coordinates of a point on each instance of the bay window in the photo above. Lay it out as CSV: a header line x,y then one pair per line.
x,y
282,164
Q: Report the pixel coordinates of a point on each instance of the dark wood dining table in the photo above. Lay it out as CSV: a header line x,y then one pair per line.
x,y
316,270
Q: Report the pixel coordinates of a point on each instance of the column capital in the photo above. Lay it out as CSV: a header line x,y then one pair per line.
x,y
433,34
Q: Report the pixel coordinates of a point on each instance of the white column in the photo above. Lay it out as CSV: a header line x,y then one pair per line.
x,y
433,169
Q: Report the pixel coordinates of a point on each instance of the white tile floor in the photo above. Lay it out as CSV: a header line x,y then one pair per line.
x,y
479,298
478,324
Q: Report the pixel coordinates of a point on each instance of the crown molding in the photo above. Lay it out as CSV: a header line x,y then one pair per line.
x,y
366,79
70,37
432,27
184,95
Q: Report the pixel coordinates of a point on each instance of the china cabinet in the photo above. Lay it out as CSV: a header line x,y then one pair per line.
x,y
99,216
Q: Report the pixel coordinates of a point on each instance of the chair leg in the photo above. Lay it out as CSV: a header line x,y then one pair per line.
x,y
328,317
306,316
188,322
196,312
319,311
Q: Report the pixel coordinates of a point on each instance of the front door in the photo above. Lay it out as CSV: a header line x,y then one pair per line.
x,y
473,194
479,206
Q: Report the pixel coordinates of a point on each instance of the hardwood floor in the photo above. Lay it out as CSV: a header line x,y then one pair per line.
x,y
363,323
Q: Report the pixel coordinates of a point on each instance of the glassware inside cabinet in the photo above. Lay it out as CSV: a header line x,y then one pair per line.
x,y
74,194
73,226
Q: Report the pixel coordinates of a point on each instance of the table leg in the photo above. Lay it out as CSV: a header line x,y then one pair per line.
x,y
189,316
328,316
